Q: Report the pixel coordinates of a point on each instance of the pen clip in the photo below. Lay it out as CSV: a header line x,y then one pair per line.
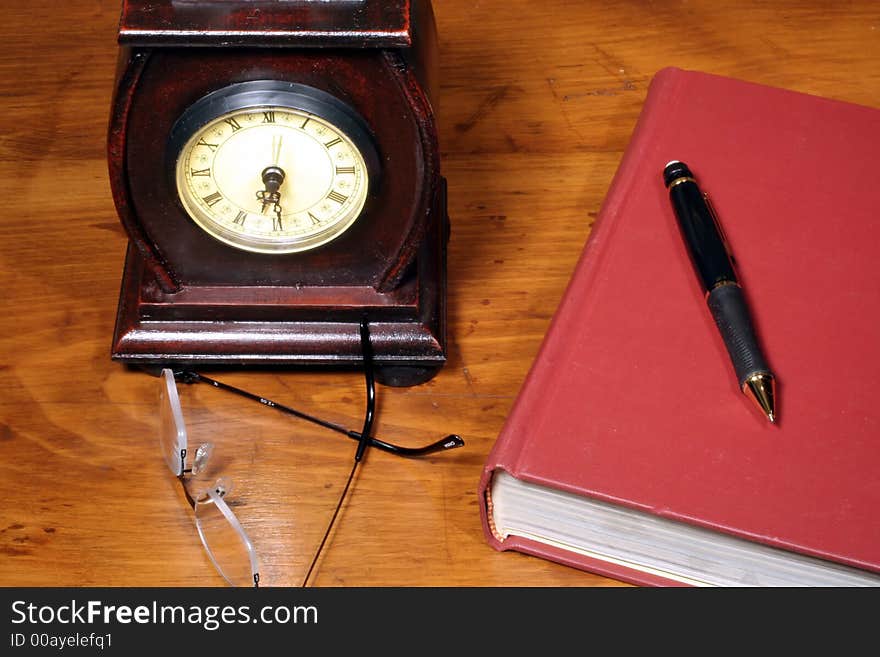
x,y
719,228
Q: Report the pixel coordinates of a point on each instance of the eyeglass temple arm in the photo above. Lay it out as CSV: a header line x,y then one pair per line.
x,y
448,442
367,349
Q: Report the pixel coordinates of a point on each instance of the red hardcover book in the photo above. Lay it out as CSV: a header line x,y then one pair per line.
x,y
630,450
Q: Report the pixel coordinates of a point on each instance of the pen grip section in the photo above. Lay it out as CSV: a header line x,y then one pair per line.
x,y
728,306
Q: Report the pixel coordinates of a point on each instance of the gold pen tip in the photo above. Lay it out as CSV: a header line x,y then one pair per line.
x,y
761,389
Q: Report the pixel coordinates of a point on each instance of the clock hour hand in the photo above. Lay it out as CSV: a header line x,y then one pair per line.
x,y
273,178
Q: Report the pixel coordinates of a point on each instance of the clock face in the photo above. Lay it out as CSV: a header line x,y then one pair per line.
x,y
272,179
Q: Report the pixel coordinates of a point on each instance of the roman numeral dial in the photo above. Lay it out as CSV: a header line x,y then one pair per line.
x,y
272,179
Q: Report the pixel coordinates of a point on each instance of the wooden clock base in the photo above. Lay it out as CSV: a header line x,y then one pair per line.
x,y
309,326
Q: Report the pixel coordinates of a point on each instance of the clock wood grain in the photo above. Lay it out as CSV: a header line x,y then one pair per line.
x,y
534,115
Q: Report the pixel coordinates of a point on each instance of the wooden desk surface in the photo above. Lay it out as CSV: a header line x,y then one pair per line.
x,y
538,101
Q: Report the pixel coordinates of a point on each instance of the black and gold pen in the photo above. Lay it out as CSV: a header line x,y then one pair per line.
x,y
714,267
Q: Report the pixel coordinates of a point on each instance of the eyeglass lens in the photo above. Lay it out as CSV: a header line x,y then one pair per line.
x,y
172,430
224,539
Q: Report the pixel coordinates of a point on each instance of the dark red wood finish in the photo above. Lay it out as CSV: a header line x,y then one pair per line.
x,y
321,24
188,298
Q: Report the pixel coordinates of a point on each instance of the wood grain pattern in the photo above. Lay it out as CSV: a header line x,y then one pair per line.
x,y
535,111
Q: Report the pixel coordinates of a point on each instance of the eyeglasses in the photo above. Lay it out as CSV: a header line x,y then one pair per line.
x,y
236,553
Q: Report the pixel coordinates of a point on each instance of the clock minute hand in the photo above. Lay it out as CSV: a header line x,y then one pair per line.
x,y
276,149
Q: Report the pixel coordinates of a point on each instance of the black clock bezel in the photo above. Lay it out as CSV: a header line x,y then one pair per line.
x,y
255,94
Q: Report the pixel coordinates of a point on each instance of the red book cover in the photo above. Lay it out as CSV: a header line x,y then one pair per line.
x,y
632,398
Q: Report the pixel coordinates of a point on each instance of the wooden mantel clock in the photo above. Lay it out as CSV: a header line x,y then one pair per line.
x,y
275,166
